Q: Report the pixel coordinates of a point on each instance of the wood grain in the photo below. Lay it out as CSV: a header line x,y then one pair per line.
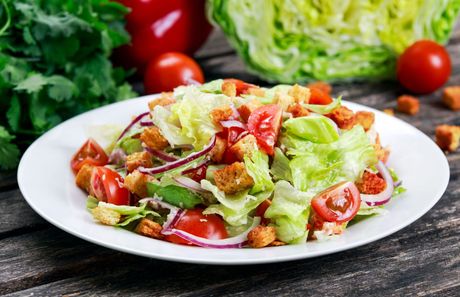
x,y
37,259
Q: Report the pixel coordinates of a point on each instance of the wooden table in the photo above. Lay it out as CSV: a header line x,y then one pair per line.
x,y
38,259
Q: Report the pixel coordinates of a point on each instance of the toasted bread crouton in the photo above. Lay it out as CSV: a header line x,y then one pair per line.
x,y
217,152
322,86
389,111
106,216
261,236
222,113
139,159
408,104
277,243
83,178
229,88
165,99
233,178
136,182
371,183
298,110
246,109
365,119
283,100
343,117
149,228
451,97
245,146
447,137
300,94
152,137
256,91
382,152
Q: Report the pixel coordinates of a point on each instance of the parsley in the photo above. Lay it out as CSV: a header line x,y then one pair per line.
x,y
54,64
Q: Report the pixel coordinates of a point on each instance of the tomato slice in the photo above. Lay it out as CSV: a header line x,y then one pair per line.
x,y
318,96
339,203
241,86
198,174
261,209
232,134
265,123
90,153
196,223
107,186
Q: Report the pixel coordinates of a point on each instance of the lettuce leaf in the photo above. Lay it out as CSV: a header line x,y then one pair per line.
x,y
280,166
169,127
257,167
324,109
314,128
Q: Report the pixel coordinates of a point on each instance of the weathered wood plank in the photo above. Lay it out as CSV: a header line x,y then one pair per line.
x,y
7,179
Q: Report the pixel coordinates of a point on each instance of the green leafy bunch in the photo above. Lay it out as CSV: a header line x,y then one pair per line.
x,y
54,63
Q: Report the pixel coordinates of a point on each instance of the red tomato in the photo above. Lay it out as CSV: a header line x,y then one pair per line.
x,y
339,203
196,223
158,26
317,96
424,67
198,174
107,185
171,70
241,86
261,209
90,153
265,123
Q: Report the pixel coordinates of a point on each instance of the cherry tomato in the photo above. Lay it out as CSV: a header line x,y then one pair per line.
x,y
241,86
171,70
265,123
318,96
107,186
261,209
339,203
89,153
424,67
196,223
198,174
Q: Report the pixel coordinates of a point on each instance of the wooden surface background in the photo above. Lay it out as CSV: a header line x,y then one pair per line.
x,y
38,259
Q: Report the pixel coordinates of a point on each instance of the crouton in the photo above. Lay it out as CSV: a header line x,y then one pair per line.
x,y
365,119
83,178
139,159
153,139
408,104
298,110
245,146
389,111
246,109
229,88
447,137
277,243
371,183
136,182
283,100
149,228
343,117
322,86
106,215
222,113
164,100
300,94
217,152
382,152
451,97
233,178
261,236
256,91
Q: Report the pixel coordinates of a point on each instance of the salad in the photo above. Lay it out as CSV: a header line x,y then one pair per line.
x,y
229,164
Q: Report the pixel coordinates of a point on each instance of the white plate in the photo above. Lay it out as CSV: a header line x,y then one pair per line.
x,y
47,183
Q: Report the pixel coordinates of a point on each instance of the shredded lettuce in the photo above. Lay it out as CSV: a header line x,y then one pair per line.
x,y
280,167
169,126
300,40
314,128
324,109
257,167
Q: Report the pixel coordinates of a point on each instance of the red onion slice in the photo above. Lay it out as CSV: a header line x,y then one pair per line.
x,y
384,196
233,123
233,242
117,156
146,123
133,122
161,155
189,183
197,167
174,215
180,162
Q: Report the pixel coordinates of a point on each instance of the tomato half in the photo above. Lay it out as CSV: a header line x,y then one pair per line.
x,y
171,70
424,67
196,223
89,153
339,203
241,86
265,123
317,96
107,186
261,209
